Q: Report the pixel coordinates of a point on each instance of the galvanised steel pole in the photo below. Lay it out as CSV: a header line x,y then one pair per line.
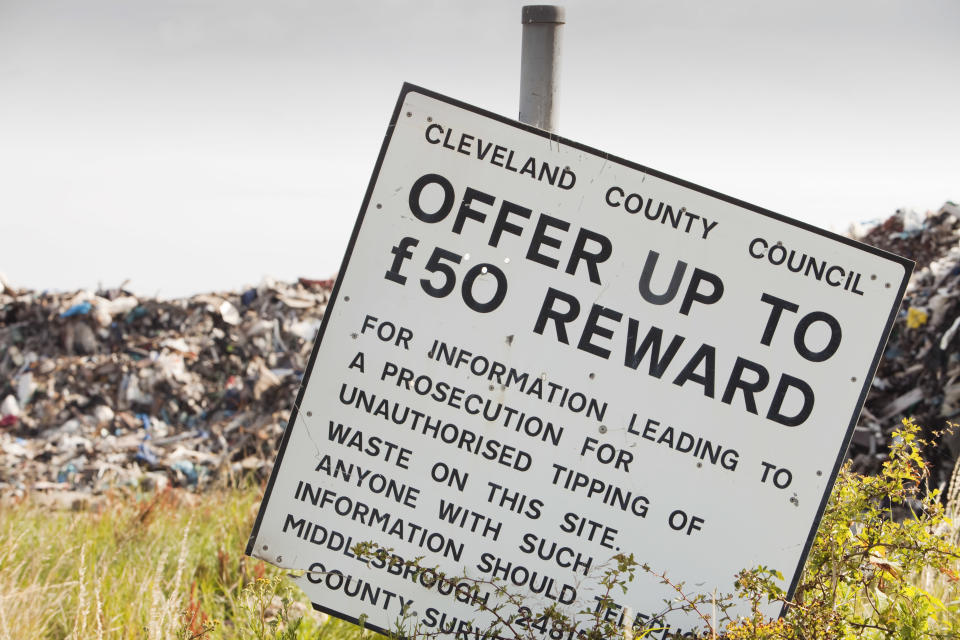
x,y
540,65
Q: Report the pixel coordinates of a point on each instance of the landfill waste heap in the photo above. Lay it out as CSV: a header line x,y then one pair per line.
x,y
106,389
919,374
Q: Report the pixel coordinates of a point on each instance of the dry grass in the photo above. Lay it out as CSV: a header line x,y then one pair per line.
x,y
164,566
171,566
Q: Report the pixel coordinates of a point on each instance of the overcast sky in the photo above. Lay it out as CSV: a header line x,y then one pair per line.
x,y
199,145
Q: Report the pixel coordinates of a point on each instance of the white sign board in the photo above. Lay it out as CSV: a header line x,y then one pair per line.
x,y
538,356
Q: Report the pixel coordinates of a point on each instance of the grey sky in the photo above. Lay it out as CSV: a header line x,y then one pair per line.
x,y
195,146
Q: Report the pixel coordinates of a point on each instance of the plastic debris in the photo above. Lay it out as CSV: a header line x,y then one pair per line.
x,y
229,313
80,309
9,407
916,318
188,469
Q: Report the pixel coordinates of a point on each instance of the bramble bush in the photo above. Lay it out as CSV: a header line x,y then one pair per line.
x,y
884,564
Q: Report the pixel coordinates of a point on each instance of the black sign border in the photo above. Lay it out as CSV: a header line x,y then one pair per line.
x,y
408,88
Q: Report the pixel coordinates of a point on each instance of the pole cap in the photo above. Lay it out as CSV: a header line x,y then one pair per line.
x,y
543,14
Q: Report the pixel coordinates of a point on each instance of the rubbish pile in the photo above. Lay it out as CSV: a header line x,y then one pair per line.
x,y
105,389
919,375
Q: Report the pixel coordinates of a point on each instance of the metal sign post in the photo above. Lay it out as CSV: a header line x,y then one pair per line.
x,y
540,64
